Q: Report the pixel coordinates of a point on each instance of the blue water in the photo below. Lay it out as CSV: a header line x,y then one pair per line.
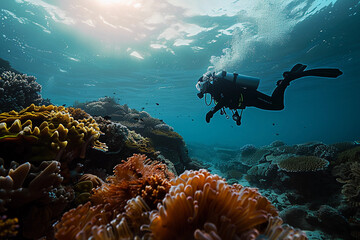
x,y
144,52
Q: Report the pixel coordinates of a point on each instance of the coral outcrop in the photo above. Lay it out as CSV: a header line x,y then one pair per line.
x,y
196,205
161,136
303,164
49,132
18,91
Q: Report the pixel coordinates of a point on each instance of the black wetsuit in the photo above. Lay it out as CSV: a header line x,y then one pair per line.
x,y
230,95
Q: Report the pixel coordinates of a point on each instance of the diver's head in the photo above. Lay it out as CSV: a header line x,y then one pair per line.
x,y
203,84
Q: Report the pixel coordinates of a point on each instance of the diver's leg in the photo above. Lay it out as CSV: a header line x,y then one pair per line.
x,y
263,101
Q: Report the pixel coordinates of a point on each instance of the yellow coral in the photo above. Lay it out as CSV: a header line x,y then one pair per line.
x,y
139,143
46,130
303,164
8,227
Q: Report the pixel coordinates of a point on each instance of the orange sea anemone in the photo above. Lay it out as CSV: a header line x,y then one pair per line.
x,y
198,198
136,176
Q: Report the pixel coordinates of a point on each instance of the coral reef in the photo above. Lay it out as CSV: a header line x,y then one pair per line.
x,y
161,137
303,164
49,132
197,205
18,91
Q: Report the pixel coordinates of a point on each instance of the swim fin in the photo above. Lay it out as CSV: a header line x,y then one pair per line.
x,y
323,72
298,71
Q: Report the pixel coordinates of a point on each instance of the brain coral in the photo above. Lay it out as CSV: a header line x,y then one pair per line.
x,y
303,164
47,132
18,91
198,199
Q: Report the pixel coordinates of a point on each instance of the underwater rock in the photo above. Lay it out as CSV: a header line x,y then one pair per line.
x,y
253,156
277,143
296,216
247,150
331,221
262,174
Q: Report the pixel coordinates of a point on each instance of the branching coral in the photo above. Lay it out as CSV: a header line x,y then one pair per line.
x,y
46,133
18,195
197,198
18,91
35,195
303,164
349,174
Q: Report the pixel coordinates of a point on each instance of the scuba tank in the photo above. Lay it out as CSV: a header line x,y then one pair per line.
x,y
240,80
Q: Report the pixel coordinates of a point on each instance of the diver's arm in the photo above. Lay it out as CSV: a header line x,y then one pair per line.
x,y
211,113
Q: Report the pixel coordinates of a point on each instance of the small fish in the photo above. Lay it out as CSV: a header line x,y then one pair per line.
x,y
273,124
142,108
277,134
64,105
161,120
107,117
157,104
114,93
192,119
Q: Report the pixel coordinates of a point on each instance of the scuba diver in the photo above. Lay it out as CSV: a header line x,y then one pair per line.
x,y
235,91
